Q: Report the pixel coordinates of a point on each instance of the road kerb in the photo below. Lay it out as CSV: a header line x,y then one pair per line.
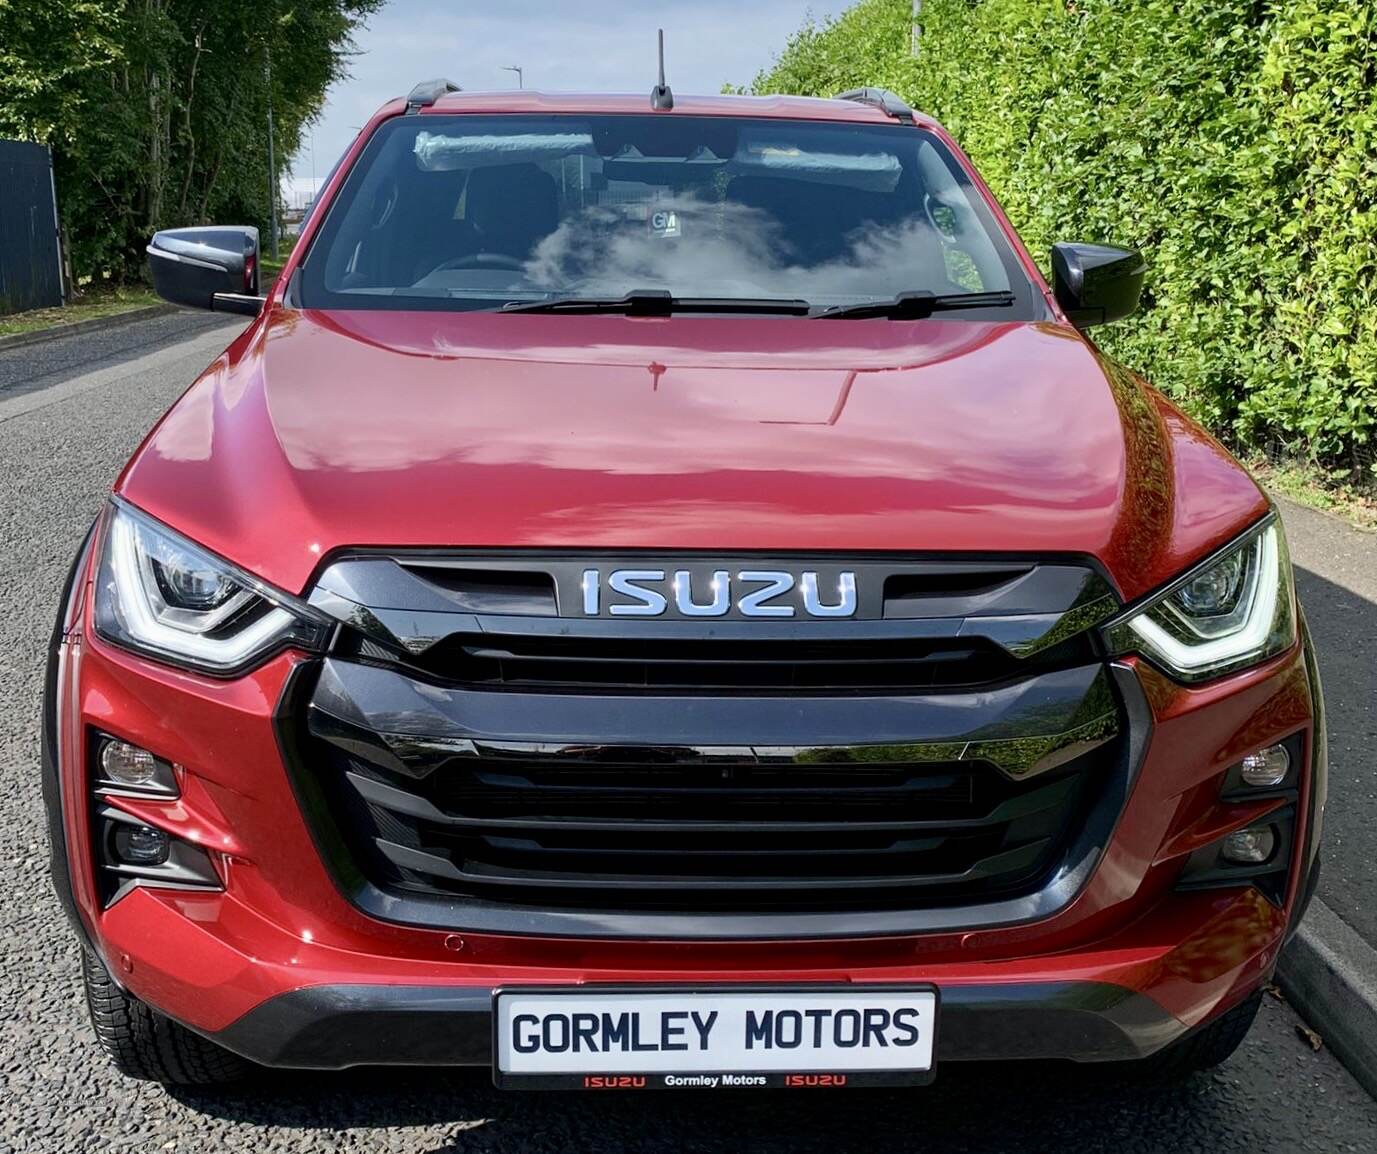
x,y
1329,973
94,324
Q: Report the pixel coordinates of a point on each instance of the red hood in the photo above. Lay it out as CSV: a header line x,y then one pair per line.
x,y
321,430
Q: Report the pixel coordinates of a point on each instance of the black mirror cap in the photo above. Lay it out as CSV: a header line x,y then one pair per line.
x,y
193,267
1097,283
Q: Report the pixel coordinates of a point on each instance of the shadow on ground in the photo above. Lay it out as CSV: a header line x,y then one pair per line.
x,y
989,1108
1344,626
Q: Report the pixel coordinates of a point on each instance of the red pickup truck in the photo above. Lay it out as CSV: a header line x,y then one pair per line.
x,y
665,594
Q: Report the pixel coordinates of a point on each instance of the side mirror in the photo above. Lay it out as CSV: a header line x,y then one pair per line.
x,y
207,268
1096,283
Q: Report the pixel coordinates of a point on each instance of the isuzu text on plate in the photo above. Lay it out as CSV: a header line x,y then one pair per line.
x,y
631,1039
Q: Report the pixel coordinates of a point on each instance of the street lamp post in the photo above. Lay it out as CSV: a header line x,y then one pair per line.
x,y
272,165
517,69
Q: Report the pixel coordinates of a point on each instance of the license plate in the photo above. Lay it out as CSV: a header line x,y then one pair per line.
x,y
631,1039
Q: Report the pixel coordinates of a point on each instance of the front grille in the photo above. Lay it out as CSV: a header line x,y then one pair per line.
x,y
478,751
715,834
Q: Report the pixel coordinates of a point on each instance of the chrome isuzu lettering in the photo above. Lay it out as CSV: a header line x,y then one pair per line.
x,y
721,594
846,596
627,582
756,593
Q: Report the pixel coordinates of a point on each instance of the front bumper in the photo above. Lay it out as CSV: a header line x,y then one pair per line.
x,y
284,968
295,1003
333,1027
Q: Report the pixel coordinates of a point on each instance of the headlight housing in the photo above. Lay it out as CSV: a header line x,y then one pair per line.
x,y
161,595
1233,610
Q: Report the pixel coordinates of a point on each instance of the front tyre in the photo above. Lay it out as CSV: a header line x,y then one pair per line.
x,y
1207,1047
144,1044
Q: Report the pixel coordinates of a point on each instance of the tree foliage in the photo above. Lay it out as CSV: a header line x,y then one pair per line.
x,y
1235,141
156,110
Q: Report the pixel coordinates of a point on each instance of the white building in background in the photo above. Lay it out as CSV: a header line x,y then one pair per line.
x,y
299,191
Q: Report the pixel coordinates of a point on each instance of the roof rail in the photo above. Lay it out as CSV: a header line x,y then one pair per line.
x,y
890,103
428,92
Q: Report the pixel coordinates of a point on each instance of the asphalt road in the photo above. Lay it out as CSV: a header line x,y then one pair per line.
x,y
34,367
1336,574
70,413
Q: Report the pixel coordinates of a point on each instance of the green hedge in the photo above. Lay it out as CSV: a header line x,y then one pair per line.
x,y
1235,141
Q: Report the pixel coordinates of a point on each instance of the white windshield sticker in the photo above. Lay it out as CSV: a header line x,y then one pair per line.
x,y
436,152
759,155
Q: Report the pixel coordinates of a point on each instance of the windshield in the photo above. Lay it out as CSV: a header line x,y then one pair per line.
x,y
487,212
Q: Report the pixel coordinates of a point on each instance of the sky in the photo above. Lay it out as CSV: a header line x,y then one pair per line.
x,y
561,45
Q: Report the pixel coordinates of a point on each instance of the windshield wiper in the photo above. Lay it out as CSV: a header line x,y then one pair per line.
x,y
915,306
658,303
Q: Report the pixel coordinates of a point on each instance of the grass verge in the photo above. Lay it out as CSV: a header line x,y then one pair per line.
x,y
92,303
1307,485
269,268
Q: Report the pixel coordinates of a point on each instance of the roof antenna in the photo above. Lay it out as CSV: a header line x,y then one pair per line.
x,y
661,98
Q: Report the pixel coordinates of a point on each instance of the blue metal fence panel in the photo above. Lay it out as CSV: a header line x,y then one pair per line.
x,y
30,261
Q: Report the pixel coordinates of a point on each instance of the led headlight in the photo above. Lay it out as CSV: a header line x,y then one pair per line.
x,y
159,594
1235,609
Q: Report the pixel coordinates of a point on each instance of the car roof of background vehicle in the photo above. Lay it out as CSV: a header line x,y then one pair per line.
x,y
530,101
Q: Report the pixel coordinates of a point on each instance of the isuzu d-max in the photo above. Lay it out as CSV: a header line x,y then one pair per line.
x,y
665,594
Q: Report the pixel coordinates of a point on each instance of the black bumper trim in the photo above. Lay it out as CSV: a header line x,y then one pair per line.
x,y
334,1027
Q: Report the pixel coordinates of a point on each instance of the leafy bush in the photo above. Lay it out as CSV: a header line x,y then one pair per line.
x,y
1235,141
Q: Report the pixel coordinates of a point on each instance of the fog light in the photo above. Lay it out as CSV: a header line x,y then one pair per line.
x,y
1266,767
127,764
141,845
1251,846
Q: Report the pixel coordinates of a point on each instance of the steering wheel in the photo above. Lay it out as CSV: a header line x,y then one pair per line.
x,y
481,260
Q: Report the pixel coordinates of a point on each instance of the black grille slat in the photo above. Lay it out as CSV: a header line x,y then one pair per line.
x,y
389,797
486,874
523,661
642,790
626,847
